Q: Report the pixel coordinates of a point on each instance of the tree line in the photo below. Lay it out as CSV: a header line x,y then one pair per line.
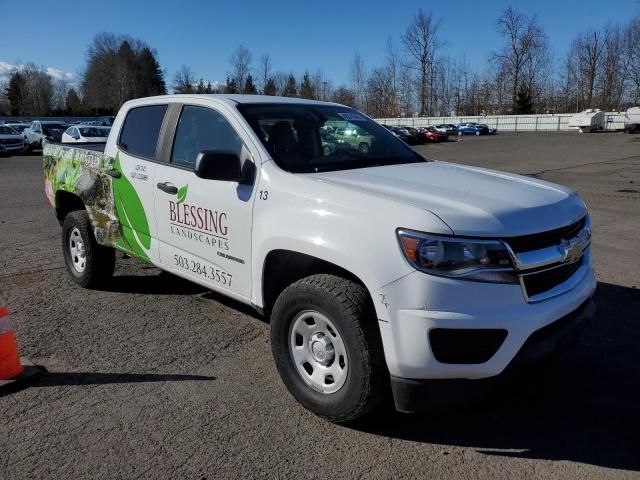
x,y
521,75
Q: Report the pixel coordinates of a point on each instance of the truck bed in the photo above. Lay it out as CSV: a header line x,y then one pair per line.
x,y
94,147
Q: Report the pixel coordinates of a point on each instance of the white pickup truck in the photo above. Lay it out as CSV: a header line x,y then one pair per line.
x,y
381,271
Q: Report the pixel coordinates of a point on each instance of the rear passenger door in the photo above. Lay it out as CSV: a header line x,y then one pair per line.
x,y
138,150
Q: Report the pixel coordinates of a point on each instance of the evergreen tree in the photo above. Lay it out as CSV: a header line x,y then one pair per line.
x,y
150,76
306,88
201,87
231,86
290,89
524,103
249,87
119,68
72,102
16,92
208,88
270,87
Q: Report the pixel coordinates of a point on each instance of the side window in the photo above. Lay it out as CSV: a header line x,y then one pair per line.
x,y
201,128
69,131
139,135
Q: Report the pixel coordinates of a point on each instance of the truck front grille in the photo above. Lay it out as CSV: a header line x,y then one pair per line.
x,y
537,241
539,282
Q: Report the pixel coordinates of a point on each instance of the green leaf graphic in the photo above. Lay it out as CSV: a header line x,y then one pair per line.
x,y
182,194
135,226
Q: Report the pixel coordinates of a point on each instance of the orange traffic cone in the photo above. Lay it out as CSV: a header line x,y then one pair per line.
x,y
10,366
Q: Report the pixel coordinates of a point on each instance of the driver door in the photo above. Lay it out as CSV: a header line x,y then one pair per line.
x,y
204,226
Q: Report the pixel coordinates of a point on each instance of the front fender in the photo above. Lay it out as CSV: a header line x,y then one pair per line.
x,y
351,229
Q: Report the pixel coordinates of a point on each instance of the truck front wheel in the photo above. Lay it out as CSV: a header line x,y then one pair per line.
x,y
88,263
327,347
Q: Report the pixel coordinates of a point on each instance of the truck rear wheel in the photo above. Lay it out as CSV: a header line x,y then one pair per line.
x,y
89,264
327,347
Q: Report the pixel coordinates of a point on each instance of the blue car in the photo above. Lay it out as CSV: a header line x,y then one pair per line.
x,y
472,128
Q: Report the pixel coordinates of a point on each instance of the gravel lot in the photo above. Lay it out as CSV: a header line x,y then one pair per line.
x,y
158,378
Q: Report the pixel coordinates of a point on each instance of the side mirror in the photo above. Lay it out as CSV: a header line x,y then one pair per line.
x,y
220,165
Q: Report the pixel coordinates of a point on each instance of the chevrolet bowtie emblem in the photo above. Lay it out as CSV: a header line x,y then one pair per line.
x,y
572,249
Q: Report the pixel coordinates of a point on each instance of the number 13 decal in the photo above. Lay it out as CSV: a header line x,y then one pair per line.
x,y
264,194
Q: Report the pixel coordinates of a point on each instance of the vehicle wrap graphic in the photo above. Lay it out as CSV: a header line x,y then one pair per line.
x,y
182,194
115,209
130,212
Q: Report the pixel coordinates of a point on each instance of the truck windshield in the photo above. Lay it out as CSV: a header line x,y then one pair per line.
x,y
319,138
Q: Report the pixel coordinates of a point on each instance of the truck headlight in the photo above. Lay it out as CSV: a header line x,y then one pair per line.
x,y
465,259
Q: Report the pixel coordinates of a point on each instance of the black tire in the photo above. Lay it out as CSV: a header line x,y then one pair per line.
x,y
100,261
363,148
347,305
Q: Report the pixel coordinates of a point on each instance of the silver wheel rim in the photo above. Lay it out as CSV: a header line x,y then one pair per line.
x,y
318,352
77,251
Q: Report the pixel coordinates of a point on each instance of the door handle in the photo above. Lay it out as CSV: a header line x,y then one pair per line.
x,y
113,173
168,188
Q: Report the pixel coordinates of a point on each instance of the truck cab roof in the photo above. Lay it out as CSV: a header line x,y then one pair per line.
x,y
230,99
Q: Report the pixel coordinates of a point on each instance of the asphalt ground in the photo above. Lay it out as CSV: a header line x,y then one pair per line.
x,y
155,377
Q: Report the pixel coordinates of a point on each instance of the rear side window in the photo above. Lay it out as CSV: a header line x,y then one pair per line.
x,y
139,135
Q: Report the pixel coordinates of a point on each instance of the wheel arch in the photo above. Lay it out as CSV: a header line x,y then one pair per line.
x,y
282,267
65,203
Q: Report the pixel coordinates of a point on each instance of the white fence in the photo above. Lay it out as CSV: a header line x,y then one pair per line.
x,y
508,123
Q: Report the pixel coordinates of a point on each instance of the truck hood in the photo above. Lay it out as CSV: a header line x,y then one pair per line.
x,y
471,201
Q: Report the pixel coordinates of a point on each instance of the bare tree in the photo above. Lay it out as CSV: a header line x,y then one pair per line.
x,y
393,66
280,80
379,93
184,80
632,52
59,98
344,96
240,61
421,41
265,70
615,68
524,39
358,76
588,49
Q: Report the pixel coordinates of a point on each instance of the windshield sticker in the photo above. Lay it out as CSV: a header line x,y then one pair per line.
x,y
352,117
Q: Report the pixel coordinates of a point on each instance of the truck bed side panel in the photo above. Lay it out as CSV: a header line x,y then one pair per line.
x,y
82,172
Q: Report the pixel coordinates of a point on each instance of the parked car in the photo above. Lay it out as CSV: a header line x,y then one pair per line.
x,y
432,134
472,128
379,272
632,120
489,130
11,141
416,136
39,131
448,128
20,128
354,137
85,134
105,121
401,133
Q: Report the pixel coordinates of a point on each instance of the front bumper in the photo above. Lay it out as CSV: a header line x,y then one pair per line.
x,y
413,307
11,147
412,395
